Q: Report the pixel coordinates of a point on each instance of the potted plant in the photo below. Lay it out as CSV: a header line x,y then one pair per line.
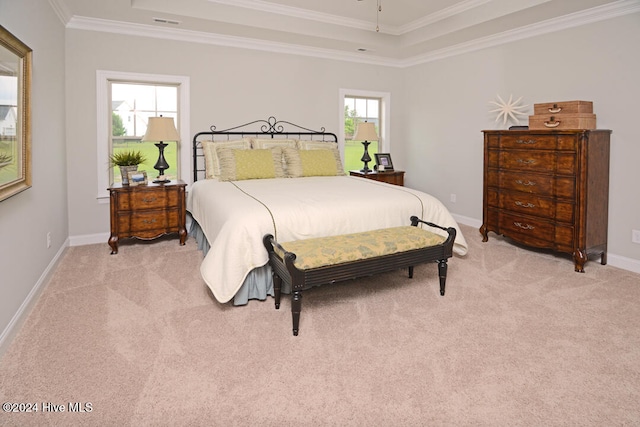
x,y
127,161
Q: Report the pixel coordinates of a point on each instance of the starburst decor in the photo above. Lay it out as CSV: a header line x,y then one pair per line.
x,y
508,110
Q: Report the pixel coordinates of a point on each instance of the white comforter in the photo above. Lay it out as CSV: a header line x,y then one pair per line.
x,y
236,215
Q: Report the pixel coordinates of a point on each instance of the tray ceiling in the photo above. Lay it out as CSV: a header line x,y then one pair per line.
x,y
410,31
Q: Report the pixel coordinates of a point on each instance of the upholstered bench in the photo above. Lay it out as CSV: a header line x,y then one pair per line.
x,y
310,262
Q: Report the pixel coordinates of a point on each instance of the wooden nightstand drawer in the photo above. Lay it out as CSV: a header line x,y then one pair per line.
x,y
147,212
147,220
142,199
390,177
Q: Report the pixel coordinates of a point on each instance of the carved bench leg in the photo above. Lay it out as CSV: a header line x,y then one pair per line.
x,y
442,272
411,272
296,308
277,287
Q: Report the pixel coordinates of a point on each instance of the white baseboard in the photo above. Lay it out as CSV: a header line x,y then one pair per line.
x,y
614,260
18,319
89,239
624,263
471,222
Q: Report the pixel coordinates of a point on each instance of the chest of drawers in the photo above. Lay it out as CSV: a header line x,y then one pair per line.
x,y
147,211
548,189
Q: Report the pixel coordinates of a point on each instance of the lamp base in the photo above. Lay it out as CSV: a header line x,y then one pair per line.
x,y
161,180
366,158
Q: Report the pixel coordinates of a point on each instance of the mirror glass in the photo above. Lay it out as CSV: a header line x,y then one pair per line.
x,y
15,123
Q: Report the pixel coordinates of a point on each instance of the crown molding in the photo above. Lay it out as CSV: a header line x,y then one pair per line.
x,y
600,13
297,12
61,11
326,18
440,15
143,30
596,14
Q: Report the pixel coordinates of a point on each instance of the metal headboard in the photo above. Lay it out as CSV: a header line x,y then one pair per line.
x,y
271,128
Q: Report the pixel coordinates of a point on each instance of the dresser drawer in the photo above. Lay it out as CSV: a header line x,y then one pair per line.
x,y
536,232
142,200
563,163
141,221
541,184
530,204
534,141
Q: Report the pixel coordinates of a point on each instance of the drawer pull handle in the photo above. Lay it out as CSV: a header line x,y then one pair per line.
x,y
150,221
526,162
525,205
149,199
555,109
552,123
524,227
525,141
527,183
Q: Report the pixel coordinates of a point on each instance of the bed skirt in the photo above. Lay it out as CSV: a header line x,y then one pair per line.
x,y
259,281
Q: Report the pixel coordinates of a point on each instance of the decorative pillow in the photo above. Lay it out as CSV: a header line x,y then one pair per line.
x,y
211,161
236,165
260,143
270,143
324,145
310,162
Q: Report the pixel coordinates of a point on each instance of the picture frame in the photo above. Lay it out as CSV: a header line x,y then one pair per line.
x,y
384,159
15,91
137,178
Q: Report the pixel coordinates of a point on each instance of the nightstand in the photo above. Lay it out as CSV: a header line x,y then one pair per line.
x,y
390,177
147,211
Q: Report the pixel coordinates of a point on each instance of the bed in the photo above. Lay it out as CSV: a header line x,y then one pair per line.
x,y
275,177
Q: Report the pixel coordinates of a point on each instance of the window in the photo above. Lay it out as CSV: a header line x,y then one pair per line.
x,y
132,104
357,107
125,102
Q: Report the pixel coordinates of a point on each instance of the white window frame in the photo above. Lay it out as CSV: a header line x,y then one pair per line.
x,y
384,145
103,78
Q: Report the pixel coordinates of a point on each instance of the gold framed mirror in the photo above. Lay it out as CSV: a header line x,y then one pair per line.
x,y
15,115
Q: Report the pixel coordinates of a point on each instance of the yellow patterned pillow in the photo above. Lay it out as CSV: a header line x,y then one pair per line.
x,y
236,165
211,161
324,145
310,162
260,143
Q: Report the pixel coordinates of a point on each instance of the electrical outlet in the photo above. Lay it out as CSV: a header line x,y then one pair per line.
x,y
453,198
48,240
635,236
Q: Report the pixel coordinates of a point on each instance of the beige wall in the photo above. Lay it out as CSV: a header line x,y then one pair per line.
x,y
26,217
229,86
447,107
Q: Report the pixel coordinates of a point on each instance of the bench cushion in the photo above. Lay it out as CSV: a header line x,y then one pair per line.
x,y
332,250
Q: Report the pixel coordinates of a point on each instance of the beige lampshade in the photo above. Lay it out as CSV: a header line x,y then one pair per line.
x,y
161,129
366,131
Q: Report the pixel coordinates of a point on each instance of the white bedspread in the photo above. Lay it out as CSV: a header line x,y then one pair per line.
x,y
236,215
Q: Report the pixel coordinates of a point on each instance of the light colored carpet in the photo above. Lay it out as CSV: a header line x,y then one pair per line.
x,y
519,339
